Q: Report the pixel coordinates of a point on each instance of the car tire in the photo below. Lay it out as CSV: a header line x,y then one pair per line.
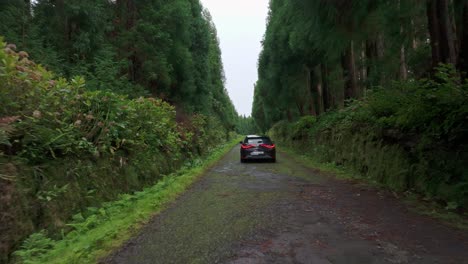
x,y
242,160
273,160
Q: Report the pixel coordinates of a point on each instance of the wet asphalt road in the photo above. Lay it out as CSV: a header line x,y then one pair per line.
x,y
287,213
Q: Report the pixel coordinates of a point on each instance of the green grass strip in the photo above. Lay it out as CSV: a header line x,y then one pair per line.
x,y
108,227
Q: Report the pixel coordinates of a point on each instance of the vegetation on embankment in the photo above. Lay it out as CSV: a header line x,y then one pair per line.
x,y
97,231
414,142
153,99
64,148
377,86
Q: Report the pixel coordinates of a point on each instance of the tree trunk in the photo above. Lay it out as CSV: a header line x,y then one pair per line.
x,y
126,13
60,12
131,13
349,72
371,55
289,115
325,87
375,51
363,69
463,57
310,92
380,46
433,23
319,90
126,17
414,39
403,66
456,33
442,34
301,108
25,22
130,23
354,73
448,46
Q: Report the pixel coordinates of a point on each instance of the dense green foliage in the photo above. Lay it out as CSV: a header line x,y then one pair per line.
x,y
416,141
167,49
64,147
361,84
246,126
150,98
96,231
317,55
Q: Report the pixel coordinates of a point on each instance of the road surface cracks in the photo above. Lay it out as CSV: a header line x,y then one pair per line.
x,y
286,213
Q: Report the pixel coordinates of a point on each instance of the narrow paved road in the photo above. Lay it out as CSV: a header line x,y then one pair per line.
x,y
286,213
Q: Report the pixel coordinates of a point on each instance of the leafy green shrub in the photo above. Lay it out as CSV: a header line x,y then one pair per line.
x,y
35,245
409,136
281,130
76,147
302,126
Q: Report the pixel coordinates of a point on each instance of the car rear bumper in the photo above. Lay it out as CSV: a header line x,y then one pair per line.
x,y
266,156
257,157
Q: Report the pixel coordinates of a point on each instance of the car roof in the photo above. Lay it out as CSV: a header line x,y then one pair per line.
x,y
255,136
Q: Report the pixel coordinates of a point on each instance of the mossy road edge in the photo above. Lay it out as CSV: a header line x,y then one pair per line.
x,y
102,232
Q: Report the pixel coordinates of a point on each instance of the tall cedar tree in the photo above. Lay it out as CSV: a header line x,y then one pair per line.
x,y
317,54
167,49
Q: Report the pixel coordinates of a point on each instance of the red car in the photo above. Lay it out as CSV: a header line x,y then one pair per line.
x,y
257,148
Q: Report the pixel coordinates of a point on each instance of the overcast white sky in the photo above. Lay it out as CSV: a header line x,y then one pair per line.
x,y
241,25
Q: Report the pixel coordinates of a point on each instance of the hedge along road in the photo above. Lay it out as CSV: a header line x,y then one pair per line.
x,y
287,213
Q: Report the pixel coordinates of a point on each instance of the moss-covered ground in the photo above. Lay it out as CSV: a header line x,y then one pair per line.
x,y
107,227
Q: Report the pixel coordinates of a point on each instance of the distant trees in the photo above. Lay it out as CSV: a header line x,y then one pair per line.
x,y
246,126
317,54
167,49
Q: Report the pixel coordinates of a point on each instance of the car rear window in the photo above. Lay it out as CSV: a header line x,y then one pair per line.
x,y
261,140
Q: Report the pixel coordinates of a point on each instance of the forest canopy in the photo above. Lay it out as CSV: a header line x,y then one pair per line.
x,y
165,49
317,55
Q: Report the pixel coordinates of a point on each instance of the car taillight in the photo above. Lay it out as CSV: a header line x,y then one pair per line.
x,y
244,146
268,146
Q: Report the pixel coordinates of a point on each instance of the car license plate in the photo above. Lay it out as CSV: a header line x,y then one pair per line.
x,y
256,153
